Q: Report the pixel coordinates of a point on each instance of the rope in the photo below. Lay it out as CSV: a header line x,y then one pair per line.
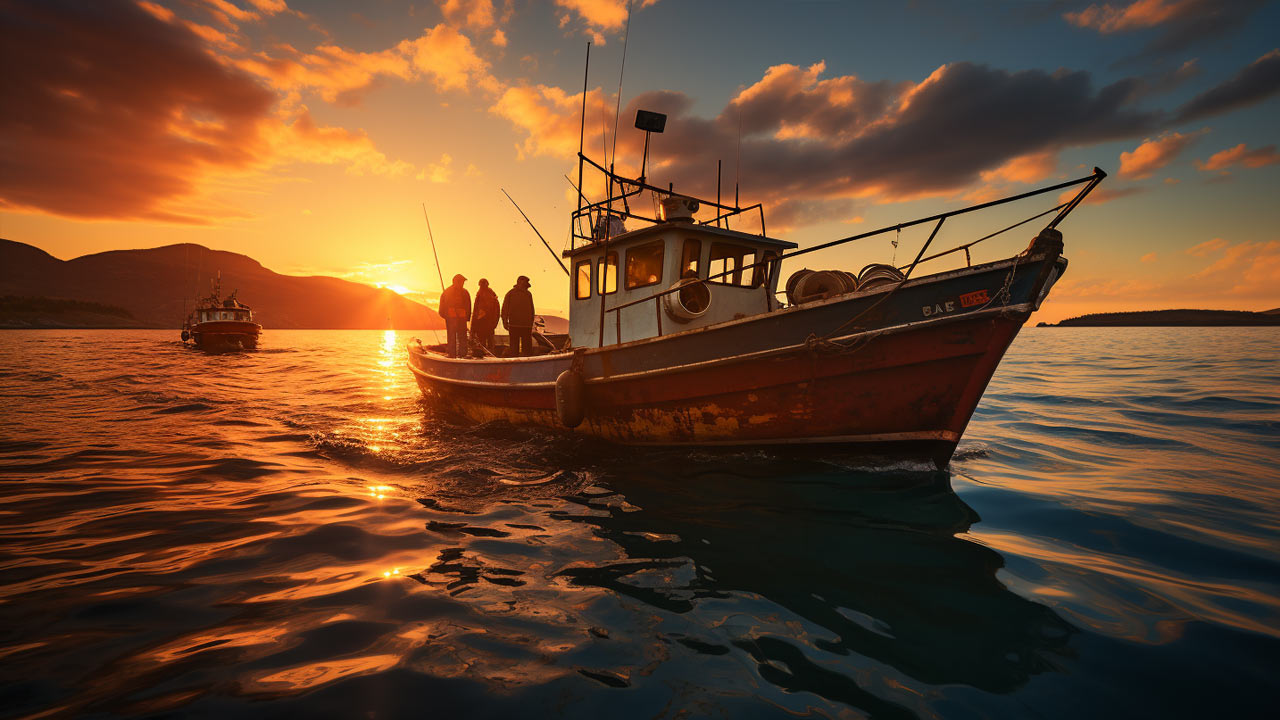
x,y
823,344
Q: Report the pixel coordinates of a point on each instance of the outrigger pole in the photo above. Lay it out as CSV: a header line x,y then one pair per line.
x,y
433,247
535,232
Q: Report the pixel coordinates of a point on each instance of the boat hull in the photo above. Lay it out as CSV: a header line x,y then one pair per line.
x,y
225,335
902,383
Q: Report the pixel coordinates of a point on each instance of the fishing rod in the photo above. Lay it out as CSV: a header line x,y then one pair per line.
x,y
535,231
433,247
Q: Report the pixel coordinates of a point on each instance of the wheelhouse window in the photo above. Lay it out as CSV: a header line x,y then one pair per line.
x,y
691,258
728,261
644,265
582,279
764,266
607,276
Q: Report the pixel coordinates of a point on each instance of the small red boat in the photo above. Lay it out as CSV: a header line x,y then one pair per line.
x,y
679,335
218,325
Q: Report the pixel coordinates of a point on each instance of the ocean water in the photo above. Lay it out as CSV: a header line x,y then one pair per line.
x,y
293,533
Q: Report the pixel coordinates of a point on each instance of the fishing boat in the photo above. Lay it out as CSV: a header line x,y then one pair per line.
x,y
221,325
679,333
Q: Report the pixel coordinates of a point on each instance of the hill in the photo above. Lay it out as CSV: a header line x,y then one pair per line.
x,y
153,286
1174,318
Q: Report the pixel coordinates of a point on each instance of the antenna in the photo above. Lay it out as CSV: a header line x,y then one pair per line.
x,y
439,272
582,130
617,109
737,166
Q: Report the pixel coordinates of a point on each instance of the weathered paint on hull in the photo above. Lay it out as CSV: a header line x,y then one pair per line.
x,y
223,336
904,382
905,394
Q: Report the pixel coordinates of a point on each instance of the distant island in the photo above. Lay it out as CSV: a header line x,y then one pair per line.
x,y
1173,318
152,288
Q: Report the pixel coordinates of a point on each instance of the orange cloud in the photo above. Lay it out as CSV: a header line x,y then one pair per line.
x,y
1025,168
1152,155
441,54
600,15
1207,247
1148,258
473,14
551,118
112,144
299,139
1261,157
1140,14
1247,269
95,143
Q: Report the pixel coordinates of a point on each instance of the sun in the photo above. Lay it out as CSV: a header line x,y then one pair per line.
x,y
393,287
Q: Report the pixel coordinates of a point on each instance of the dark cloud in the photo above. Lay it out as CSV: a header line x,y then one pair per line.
x,y
1176,24
1253,84
935,138
112,112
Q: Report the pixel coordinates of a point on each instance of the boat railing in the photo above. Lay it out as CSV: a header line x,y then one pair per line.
x,y
1089,181
616,204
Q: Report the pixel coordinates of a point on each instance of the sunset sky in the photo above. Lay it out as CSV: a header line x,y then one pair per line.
x,y
308,134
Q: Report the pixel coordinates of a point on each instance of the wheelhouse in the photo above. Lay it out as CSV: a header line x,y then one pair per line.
x,y
224,314
668,278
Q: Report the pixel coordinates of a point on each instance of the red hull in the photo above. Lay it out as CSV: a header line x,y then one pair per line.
x,y
905,393
222,335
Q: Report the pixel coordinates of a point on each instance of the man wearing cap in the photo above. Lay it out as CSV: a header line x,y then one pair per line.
x,y
485,317
455,308
517,318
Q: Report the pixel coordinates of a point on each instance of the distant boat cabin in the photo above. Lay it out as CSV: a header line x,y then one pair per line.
x,y
216,314
715,275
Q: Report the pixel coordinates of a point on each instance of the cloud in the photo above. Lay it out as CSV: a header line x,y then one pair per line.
x,y
1152,155
473,14
229,14
134,123
1140,14
114,124
600,16
1180,23
1148,258
550,118
1223,159
1025,168
829,138
441,55
1247,269
439,172
300,139
1252,84
794,102
1207,247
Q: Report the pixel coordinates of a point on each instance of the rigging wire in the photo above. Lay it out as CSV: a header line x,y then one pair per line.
x,y
617,109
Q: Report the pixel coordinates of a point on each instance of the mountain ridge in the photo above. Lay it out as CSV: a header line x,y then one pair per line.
x,y
157,284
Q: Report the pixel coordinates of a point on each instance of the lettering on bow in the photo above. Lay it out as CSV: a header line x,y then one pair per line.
x,y
938,308
977,297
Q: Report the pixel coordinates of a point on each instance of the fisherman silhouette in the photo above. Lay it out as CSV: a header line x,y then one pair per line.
x,y
484,319
455,308
517,318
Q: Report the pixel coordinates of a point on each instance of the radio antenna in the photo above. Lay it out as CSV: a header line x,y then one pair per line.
x,y
617,109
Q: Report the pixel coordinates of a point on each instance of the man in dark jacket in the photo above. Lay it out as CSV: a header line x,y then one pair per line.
x,y
517,318
485,317
455,308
